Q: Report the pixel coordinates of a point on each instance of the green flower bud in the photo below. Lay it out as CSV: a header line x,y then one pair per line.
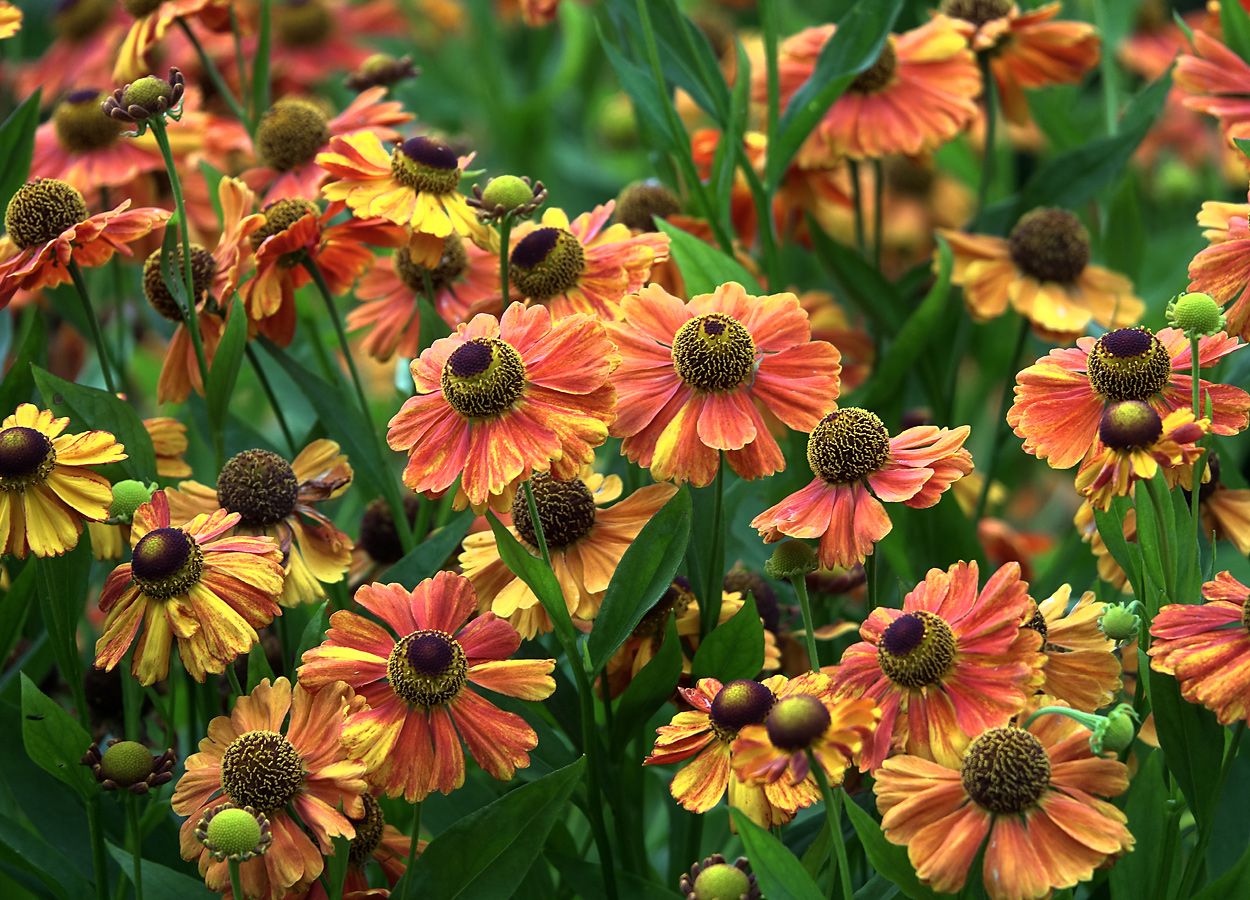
x,y
791,559
507,191
1195,314
721,882
234,832
1116,731
128,496
1119,622
127,763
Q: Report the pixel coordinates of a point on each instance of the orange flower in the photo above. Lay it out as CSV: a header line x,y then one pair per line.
x,y
1223,268
169,441
249,759
83,147
1134,444
948,665
1217,81
850,451
192,582
707,732
375,839
693,377
417,689
1060,399
87,33
1025,50
1043,270
314,38
502,398
1081,667
918,95
152,20
832,323
1226,513
1030,792
48,223
10,20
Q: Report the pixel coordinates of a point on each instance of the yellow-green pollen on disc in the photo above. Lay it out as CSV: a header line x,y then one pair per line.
x,y
1129,364
451,266
166,563
147,92
234,832
426,165
26,457
81,126
565,508
290,133
483,377
848,444
796,721
546,263
263,770
1129,424
917,649
1005,770
41,210
427,668
721,882
714,352
126,763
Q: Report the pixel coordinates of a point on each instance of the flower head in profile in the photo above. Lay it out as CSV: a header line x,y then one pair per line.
x,y
1222,270
1213,78
504,397
46,486
378,840
947,666
1081,667
416,679
850,451
194,583
694,377
1225,511
282,768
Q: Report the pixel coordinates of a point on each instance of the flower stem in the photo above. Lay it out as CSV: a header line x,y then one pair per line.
x,y
537,523
412,848
97,338
136,836
214,75
236,887
505,237
1165,543
1001,425
833,810
809,625
990,93
1199,855
99,865
273,399
1198,466
233,678
857,194
709,606
878,189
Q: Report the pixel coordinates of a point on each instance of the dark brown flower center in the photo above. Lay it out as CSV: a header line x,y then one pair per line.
x,y
166,563
1038,623
302,23
880,74
1005,770
1050,245
848,444
642,202
203,270
916,650
1129,424
290,133
714,352
546,262
483,377
427,668
566,510
258,485
281,215
426,165
262,769
79,19
369,831
978,12
796,721
41,210
81,126
378,536
766,602
26,456
739,704
1129,364
450,267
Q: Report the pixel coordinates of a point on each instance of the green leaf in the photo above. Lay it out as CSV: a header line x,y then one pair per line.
x,y
816,856
487,853
733,650
704,267
15,605
225,369
160,882
314,632
17,146
212,178
1124,239
645,572
538,575
55,740
1110,528
586,879
1235,23
1233,883
336,867
1192,742
257,667
19,383
1149,540
888,859
780,874
62,585
90,409
428,557
1157,853
878,888
636,82
24,849
649,689
858,281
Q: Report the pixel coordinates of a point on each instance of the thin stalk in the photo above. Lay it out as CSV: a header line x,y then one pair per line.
x,y
236,886
136,837
709,606
273,398
833,810
768,22
233,677
538,531
767,227
857,197
97,338
878,188
239,62
809,624
132,703
1165,542
990,93
99,865
412,848
214,75
870,579
1107,69
505,237
1199,465
1001,426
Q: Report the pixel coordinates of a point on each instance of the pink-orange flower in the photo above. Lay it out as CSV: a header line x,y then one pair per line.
x,y
83,147
1217,81
1081,668
1135,443
1223,268
152,18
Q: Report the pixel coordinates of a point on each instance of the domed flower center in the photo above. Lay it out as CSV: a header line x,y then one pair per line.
x,y
1129,424
1050,245
766,603
258,485
978,12
722,882
79,19
26,456
848,444
1005,770
797,721
566,510
290,133
916,650
483,377
880,74
1038,623
139,8
261,769
302,23
41,210
281,215
368,832
677,599
426,165
427,668
203,270
640,204
126,763
1129,364
714,352
546,262
378,536
739,704
81,126
166,563
450,267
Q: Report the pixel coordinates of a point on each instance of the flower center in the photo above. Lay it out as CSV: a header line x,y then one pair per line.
x,y
450,266
378,536
368,832
281,215
1038,623
426,165
203,270
261,769
640,204
916,650
1129,424
79,19
713,352
1050,245
1129,364
427,668
739,704
166,563
290,133
797,721
302,23
1005,770
138,8
258,485
766,602
41,210
978,12
848,444
81,126
127,763
677,599
547,262
26,457
566,510
483,377
879,74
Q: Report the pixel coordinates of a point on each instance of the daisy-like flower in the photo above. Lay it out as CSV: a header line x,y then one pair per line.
x,y
195,583
416,682
707,733
1031,792
586,545
375,839
1134,443
1061,398
83,147
850,451
46,487
693,377
250,759
1042,269
808,715
918,95
86,34
278,499
947,666
1207,648
1223,268
1025,49
1217,82
1081,667
501,398
152,18
1225,512
169,442
313,38
47,222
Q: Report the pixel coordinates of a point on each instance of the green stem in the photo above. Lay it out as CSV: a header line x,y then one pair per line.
x,y
870,579
1000,429
132,704
236,886
214,75
537,525
990,93
878,188
1198,466
1107,69
99,864
505,238
261,87
857,195
709,606
833,810
97,338
136,837
809,625
1198,856
233,677
767,227
412,848
1165,542
239,62
273,398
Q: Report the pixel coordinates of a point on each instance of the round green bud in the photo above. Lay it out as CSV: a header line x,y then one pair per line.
x,y
126,763
234,832
147,91
1119,622
1195,314
792,558
507,191
1116,732
721,882
128,496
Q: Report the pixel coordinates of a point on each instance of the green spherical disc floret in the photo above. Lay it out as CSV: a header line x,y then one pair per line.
x,y
234,832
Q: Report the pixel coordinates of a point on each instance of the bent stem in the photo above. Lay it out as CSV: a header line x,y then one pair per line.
x,y
809,630
833,811
99,866
136,837
1000,428
106,366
